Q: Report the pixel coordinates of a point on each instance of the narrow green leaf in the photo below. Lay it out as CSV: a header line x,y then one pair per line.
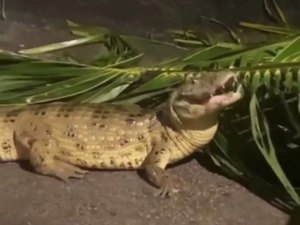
x,y
266,147
7,84
72,87
279,12
126,62
110,91
193,43
163,80
87,31
200,57
290,48
231,32
62,45
271,29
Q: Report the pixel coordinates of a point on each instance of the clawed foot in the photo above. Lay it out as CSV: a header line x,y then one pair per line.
x,y
162,179
167,190
61,170
65,171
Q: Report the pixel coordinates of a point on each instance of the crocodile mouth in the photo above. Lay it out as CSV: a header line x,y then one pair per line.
x,y
230,85
222,92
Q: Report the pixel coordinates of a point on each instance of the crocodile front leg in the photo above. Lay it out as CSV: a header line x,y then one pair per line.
x,y
154,167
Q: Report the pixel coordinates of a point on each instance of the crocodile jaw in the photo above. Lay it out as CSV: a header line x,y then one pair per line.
x,y
197,103
226,92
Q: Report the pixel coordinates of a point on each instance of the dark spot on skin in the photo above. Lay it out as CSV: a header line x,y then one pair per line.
x,y
139,115
156,153
58,115
112,161
129,164
102,125
12,120
78,145
47,152
37,113
102,164
95,124
48,132
66,153
141,137
123,142
41,159
70,133
104,117
66,115
136,161
96,155
13,113
130,120
122,165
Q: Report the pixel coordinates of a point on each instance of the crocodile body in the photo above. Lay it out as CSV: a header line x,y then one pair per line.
x,y
65,139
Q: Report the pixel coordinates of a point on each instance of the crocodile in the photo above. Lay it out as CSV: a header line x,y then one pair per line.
x,y
67,140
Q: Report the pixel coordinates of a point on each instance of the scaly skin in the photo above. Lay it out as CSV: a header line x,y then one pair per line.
x,y
64,139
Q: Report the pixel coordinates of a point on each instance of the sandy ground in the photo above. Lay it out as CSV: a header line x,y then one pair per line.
x,y
113,198
207,198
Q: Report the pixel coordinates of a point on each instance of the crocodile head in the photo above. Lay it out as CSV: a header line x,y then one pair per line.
x,y
196,103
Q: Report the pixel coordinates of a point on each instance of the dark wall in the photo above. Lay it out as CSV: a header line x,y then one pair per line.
x,y
133,14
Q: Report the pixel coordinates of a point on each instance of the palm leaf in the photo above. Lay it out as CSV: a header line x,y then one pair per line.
x,y
266,147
